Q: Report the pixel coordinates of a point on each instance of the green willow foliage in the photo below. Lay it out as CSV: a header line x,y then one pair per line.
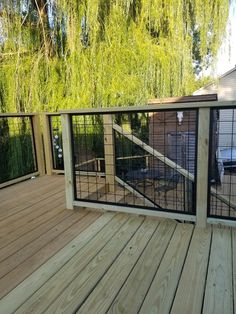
x,y
96,53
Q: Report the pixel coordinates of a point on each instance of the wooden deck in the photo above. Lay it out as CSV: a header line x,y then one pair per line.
x,y
54,260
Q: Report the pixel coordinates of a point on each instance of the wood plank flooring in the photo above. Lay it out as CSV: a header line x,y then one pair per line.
x,y
54,260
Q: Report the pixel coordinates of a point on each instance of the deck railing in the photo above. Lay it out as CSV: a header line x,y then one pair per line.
x,y
30,145
21,149
154,160
167,160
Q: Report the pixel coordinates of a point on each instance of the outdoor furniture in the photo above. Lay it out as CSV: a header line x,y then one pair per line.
x,y
143,176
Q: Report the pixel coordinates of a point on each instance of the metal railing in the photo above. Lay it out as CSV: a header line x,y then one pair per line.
x,y
222,178
21,151
55,138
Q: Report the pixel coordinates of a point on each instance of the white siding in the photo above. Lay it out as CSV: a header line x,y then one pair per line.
x,y
227,128
226,90
227,87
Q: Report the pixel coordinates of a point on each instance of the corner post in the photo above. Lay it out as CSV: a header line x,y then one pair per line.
x,y
68,159
47,143
109,150
38,144
202,166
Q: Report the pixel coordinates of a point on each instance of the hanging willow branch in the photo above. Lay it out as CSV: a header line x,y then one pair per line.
x,y
42,23
93,53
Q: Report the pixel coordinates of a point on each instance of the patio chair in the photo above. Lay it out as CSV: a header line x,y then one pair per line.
x,y
171,184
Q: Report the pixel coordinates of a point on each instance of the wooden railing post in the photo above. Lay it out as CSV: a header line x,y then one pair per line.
x,y
47,143
109,150
68,159
38,144
202,166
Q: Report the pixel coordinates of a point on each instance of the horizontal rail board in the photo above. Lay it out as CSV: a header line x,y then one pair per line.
x,y
183,99
16,115
152,107
17,180
221,221
87,173
51,113
137,211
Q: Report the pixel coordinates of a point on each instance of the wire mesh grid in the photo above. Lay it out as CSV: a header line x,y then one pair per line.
x,y
222,164
17,150
88,152
56,141
138,159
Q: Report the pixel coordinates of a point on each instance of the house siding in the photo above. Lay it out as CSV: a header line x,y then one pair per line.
x,y
226,90
227,87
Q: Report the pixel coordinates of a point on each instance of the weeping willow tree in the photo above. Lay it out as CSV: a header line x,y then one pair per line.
x,y
58,54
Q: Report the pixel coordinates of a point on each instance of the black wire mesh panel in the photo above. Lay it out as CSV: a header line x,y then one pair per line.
x,y
222,164
141,159
153,153
56,141
88,153
17,152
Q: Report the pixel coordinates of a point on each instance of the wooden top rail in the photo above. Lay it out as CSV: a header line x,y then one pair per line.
x,y
26,114
184,99
51,113
152,106
16,115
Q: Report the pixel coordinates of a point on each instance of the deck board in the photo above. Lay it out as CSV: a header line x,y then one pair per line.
x,y
131,296
219,290
25,186
162,291
58,260
192,281
36,222
32,192
62,223
80,288
11,224
37,279
30,264
103,294
31,238
57,284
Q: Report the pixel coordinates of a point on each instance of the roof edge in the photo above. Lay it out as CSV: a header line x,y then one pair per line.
x,y
218,78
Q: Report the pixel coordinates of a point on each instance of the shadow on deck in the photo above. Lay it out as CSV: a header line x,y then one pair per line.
x,y
57,260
